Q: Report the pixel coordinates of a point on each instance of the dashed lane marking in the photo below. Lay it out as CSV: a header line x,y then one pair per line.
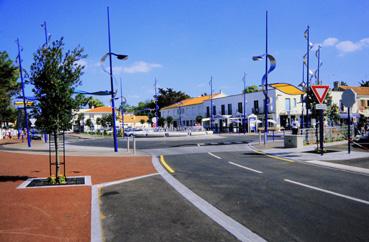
x,y
327,191
245,167
214,155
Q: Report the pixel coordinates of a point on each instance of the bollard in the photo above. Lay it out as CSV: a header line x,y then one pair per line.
x,y
134,145
259,137
127,143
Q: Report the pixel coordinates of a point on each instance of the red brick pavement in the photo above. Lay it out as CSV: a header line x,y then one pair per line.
x,y
55,214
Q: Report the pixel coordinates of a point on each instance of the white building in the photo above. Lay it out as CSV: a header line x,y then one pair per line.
x,y
184,113
285,106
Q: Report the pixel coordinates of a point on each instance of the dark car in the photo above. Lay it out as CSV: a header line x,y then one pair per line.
x,y
36,134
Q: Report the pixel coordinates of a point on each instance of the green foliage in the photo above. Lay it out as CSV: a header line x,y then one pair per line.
x,y
107,120
93,102
169,120
251,89
55,73
333,113
89,123
81,101
311,101
364,83
8,88
168,96
142,121
161,122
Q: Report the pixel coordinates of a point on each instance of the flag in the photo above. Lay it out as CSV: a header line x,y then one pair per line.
x,y
306,33
304,58
317,52
311,45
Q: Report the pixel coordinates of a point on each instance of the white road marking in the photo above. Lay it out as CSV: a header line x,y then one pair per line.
x,y
214,155
244,167
238,230
329,192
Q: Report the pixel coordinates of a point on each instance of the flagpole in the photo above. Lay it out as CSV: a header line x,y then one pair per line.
x,y
211,103
156,105
244,104
318,65
307,73
266,101
302,96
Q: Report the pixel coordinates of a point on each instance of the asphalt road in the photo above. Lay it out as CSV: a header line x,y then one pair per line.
x,y
150,210
280,200
162,142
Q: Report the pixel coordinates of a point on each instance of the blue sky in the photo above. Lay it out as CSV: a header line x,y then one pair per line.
x,y
183,42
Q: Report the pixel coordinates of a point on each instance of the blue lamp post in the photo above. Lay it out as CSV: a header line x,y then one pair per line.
x,y
119,57
244,104
265,77
23,94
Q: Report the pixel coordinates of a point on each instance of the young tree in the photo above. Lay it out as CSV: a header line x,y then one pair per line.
x,y
81,100
169,121
8,88
161,122
89,123
198,119
142,121
54,74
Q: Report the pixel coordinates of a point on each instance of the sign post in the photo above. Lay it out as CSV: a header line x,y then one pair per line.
x,y
348,99
320,92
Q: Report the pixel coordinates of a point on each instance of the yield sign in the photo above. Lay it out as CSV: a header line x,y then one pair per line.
x,y
320,92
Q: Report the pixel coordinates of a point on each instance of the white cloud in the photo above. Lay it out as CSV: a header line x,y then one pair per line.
x,y
346,46
331,41
137,67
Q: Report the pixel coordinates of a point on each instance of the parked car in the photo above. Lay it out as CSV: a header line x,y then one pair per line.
x,y
36,134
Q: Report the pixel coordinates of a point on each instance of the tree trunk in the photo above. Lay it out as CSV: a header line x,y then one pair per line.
x,y
57,162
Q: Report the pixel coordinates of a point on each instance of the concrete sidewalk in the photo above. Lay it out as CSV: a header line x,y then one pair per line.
x,y
356,161
41,148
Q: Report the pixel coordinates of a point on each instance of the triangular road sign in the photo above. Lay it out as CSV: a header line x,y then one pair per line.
x,y
320,92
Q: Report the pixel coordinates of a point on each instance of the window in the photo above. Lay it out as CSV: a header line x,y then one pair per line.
x,y
341,106
294,102
239,108
287,104
223,109
207,111
229,109
214,110
256,106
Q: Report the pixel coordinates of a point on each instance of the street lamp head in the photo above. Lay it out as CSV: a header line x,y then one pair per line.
x,y
120,57
257,58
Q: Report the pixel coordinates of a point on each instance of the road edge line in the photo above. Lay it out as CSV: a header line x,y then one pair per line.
x,y
97,232
268,155
214,155
164,163
232,226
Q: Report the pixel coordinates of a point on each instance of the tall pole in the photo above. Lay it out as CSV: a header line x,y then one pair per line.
x,y
112,88
244,104
156,104
46,42
23,93
211,103
45,30
302,96
307,73
349,130
122,104
318,79
266,101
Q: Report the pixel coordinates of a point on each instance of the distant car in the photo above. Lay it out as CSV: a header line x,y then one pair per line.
x,y
131,132
36,134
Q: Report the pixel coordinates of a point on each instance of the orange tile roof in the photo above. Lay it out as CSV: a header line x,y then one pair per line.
x,y
358,90
104,109
192,101
129,118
